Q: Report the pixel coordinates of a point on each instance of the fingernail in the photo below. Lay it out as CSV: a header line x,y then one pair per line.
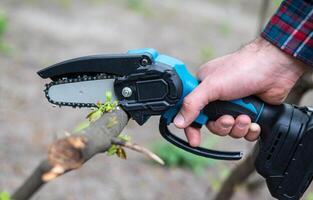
x,y
242,125
254,127
179,120
226,125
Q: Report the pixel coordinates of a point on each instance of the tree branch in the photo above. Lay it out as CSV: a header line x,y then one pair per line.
x,y
71,152
139,149
238,175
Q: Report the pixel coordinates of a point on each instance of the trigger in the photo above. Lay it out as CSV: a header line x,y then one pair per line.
x,y
200,151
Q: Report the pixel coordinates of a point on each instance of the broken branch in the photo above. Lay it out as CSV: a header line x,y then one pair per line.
x,y
71,152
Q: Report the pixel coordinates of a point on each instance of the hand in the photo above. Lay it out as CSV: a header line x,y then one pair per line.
x,y
259,69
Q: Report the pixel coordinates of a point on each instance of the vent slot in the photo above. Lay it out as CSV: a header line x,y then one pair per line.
x,y
269,156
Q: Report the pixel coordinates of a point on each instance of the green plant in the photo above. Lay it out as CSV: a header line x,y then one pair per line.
x,y
4,47
139,6
4,195
3,24
309,196
175,157
97,112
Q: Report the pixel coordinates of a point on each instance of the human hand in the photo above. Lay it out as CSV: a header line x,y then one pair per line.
x,y
259,69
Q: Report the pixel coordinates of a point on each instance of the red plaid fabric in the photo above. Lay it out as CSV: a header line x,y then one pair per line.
x,y
291,29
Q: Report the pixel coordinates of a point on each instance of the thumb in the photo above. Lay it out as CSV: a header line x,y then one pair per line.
x,y
194,103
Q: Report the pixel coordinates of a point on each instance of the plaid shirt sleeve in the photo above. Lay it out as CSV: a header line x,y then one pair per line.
x,y
291,29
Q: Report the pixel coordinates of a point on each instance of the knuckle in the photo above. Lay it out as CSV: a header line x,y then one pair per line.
x,y
212,128
203,72
189,110
237,134
280,95
224,132
276,95
189,105
250,139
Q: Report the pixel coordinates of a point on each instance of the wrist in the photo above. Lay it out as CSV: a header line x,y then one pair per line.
x,y
276,58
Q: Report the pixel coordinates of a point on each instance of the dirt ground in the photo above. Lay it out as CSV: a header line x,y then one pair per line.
x,y
42,33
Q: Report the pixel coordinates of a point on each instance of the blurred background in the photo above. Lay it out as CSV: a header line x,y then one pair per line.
x,y
37,33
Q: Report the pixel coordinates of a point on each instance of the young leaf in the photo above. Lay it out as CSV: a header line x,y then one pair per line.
x,y
82,126
112,150
108,96
94,115
3,23
124,137
5,196
121,153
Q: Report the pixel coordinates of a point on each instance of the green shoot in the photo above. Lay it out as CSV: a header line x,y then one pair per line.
x,y
118,150
5,196
97,112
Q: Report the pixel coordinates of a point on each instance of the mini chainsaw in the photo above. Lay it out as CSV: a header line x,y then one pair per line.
x,y
145,83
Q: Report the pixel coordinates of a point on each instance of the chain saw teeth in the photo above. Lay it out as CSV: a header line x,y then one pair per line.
x,y
74,80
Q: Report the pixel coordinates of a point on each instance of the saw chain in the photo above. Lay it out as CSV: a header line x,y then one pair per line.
x,y
65,80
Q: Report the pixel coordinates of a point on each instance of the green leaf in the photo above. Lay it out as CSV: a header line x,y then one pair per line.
x,y
108,96
82,126
112,150
5,196
120,152
139,6
3,23
117,149
94,115
124,137
175,157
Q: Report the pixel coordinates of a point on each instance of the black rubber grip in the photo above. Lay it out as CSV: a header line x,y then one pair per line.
x,y
251,106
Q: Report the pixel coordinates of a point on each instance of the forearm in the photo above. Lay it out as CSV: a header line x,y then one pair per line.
x,y
291,29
